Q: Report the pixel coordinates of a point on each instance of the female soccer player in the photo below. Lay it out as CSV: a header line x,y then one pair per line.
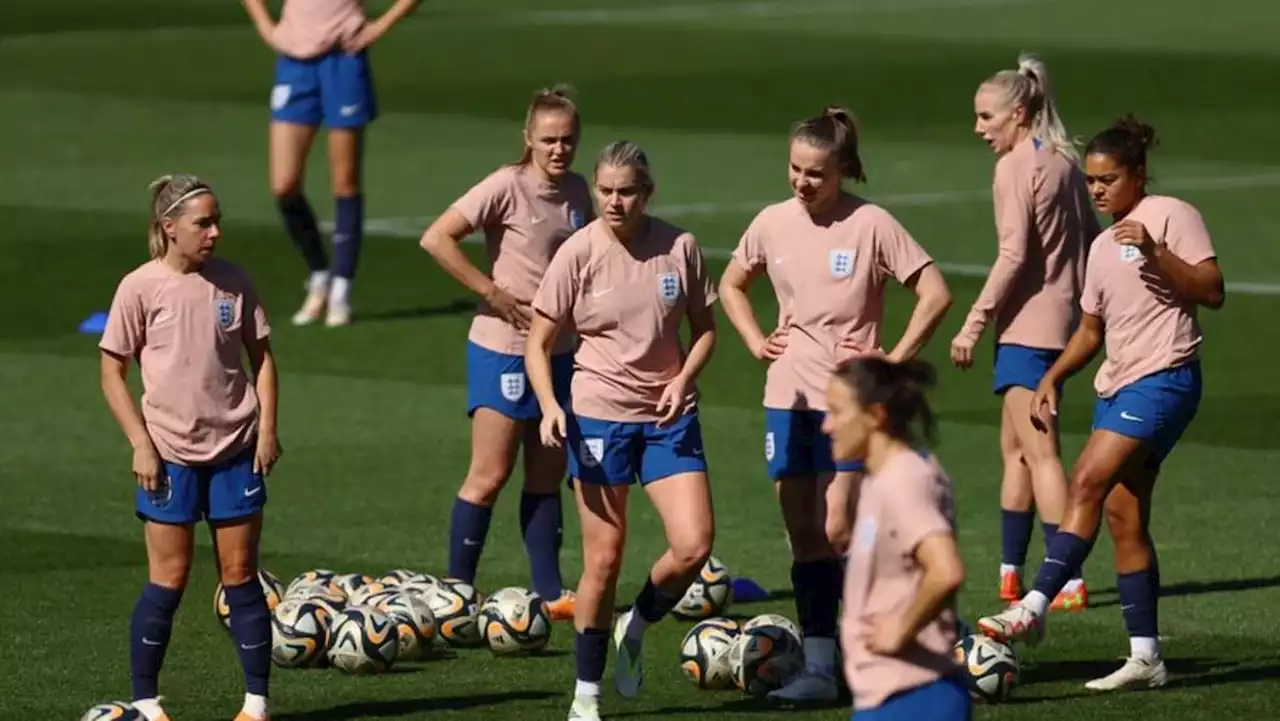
x,y
206,435
899,624
1146,275
626,282
1044,225
526,209
828,253
322,75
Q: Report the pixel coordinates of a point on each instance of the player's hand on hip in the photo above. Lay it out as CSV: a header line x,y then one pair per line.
x,y
513,310
774,345
884,634
552,428
147,467
1044,407
672,402
267,453
367,36
962,352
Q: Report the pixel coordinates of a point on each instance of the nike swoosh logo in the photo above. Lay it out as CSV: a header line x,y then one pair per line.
x,y
469,542
254,646
149,642
1126,415
251,492
598,293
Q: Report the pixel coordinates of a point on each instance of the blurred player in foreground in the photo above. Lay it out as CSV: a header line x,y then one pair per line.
x,y
526,209
1044,225
322,75
828,254
206,435
899,623
1146,276
627,282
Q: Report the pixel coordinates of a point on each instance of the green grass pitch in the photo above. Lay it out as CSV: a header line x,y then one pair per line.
x,y
101,96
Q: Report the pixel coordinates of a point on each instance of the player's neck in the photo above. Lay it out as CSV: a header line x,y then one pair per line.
x,y
180,264
627,235
1121,215
881,448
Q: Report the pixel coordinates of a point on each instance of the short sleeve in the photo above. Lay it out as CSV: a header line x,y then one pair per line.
x,y
750,253
1091,294
1186,235
125,333
701,289
255,325
488,203
918,510
898,254
560,283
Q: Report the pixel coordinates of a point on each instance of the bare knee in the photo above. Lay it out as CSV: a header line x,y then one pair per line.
x,y
170,570
485,480
602,561
1088,488
286,187
691,552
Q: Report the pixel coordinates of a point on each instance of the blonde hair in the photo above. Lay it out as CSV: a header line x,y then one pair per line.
x,y
626,154
836,131
1029,87
169,196
557,97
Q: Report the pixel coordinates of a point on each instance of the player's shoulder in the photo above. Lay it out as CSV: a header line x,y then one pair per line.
x,y
227,274
782,212
580,243
501,178
150,274
1163,207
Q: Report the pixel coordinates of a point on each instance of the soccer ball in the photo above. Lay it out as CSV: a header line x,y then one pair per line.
x,y
420,586
328,595
314,577
364,641
709,595
704,653
349,583
514,620
990,667
415,623
765,658
271,588
399,576
299,633
362,595
773,619
453,603
114,711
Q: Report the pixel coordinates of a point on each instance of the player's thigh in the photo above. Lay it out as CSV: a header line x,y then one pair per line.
x,y
544,467
683,502
288,145
170,548
602,515
1036,446
235,544
346,158
1106,455
495,440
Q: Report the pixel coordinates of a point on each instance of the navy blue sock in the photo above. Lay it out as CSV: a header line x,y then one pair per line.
x,y
591,648
467,531
348,232
300,223
1138,603
1051,530
541,525
1066,553
251,630
653,603
818,588
1015,536
149,637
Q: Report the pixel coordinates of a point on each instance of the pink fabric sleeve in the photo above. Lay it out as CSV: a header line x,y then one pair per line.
x,y
750,251
487,203
559,287
256,326
125,333
899,254
702,291
1187,236
1015,208
1091,294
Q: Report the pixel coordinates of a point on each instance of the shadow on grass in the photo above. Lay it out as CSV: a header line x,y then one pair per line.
x,y
405,707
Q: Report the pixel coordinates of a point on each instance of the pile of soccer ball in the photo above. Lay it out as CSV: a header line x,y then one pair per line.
x,y
364,625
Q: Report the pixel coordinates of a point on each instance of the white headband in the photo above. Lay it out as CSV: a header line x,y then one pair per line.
x,y
189,194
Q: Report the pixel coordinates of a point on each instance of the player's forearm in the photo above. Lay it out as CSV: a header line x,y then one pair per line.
x,y
743,318
119,400
537,361
448,253
1081,349
704,344
1199,283
268,388
933,300
397,12
260,16
937,587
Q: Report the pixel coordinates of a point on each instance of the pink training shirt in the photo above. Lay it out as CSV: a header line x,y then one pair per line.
x,y
1044,223
829,278
525,221
311,28
1148,327
907,501
627,302
188,332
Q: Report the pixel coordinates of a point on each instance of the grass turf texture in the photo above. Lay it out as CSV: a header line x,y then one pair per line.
x,y
103,95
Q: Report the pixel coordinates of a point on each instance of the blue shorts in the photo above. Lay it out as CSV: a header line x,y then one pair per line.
x,y
336,88
1022,366
796,447
1155,409
613,453
498,381
943,700
222,492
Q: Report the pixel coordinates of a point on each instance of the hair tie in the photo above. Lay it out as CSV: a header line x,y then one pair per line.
x,y
185,196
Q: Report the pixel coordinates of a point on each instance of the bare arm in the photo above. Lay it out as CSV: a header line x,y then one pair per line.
x,y
443,240
261,18
266,383
933,298
396,13
733,296
1081,349
1201,283
114,372
702,332
941,577
537,360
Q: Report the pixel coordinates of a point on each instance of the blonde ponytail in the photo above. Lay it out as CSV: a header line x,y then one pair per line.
x,y
1029,87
